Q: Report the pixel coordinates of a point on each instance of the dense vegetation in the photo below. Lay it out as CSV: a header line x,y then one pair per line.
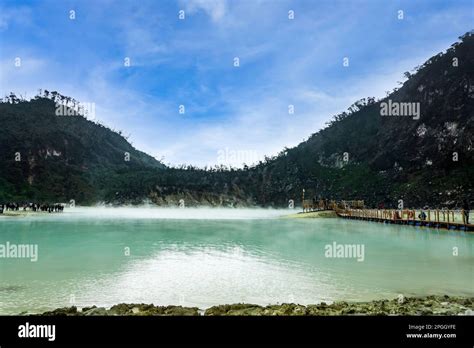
x,y
359,155
45,157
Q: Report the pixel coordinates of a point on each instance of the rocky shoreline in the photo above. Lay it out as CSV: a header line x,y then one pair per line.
x,y
413,306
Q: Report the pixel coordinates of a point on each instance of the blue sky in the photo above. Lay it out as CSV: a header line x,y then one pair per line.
x,y
241,112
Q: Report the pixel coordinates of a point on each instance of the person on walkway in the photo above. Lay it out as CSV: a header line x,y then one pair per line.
x,y
422,216
465,208
396,215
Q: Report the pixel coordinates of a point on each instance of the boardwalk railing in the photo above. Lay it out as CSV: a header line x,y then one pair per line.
x,y
442,218
324,204
316,205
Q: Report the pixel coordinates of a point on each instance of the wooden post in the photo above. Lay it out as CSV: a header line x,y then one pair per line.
x,y
302,201
429,215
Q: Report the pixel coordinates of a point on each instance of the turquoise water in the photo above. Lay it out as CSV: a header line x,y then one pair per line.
x,y
204,257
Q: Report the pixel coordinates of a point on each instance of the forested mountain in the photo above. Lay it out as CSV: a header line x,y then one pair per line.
x,y
423,158
429,160
48,157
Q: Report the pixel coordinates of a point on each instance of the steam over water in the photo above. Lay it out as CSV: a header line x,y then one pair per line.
x,y
204,213
208,256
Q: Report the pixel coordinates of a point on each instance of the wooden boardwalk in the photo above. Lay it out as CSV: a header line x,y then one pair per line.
x,y
446,219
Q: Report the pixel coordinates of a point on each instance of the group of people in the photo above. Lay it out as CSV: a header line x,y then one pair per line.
x,y
44,207
422,215
320,204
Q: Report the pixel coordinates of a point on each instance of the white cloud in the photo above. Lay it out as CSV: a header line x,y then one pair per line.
x,y
20,15
216,9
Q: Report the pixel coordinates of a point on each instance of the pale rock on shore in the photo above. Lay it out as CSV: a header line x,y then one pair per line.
x,y
430,305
